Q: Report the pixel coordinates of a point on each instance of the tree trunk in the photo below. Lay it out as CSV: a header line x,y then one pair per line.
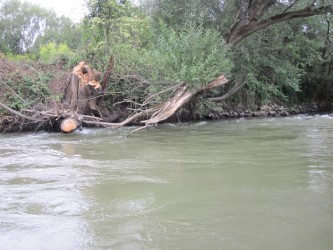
x,y
248,19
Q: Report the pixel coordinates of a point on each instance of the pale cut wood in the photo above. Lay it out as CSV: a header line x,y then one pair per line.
x,y
69,125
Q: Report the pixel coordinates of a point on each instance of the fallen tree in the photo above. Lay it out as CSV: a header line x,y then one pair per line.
x,y
161,112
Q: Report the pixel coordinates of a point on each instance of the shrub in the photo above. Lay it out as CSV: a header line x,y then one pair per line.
x,y
194,55
52,52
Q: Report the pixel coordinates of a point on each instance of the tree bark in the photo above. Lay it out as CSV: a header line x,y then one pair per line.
x,y
107,74
183,95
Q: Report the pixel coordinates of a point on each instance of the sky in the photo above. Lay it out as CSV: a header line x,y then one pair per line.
x,y
73,9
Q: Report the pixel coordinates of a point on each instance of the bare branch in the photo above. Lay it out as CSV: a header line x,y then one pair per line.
x,y
120,124
19,97
90,117
18,113
161,92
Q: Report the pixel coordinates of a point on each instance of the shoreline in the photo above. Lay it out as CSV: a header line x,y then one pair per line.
x,y
267,110
223,113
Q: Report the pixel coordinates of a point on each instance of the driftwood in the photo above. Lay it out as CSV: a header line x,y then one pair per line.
x,y
183,95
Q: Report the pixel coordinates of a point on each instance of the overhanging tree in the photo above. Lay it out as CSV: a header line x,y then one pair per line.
x,y
255,15
237,20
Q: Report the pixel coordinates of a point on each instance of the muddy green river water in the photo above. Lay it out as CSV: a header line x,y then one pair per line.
x,y
235,184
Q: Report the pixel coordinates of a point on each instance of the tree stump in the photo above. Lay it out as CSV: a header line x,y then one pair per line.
x,y
80,97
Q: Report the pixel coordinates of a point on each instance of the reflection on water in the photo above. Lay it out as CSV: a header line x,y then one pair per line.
x,y
68,149
236,184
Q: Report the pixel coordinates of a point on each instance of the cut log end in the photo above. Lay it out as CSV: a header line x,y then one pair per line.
x,y
69,125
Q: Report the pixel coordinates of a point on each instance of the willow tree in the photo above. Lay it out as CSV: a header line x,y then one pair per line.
x,y
272,41
236,19
256,15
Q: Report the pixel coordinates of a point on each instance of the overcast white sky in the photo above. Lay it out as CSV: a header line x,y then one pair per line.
x,y
71,8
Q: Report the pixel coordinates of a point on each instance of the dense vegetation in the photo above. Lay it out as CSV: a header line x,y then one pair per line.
x,y
271,51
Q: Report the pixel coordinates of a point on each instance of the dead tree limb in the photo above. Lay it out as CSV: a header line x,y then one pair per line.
x,y
18,113
183,95
128,120
163,111
17,95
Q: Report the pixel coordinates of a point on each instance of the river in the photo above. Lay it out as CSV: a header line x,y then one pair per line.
x,y
232,184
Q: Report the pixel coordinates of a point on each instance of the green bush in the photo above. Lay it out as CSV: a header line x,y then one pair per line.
x,y
31,89
194,55
52,52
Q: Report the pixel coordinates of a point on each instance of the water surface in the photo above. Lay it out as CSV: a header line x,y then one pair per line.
x,y
235,184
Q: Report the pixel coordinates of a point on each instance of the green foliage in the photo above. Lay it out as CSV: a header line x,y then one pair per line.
x,y
32,90
60,30
107,19
173,42
275,64
53,52
111,25
25,26
178,13
194,55
18,57
317,82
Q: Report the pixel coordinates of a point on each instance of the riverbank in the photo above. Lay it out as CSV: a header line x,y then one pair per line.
x,y
10,124
267,110
34,88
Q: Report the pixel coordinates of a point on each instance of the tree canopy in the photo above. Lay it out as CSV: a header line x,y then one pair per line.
x,y
24,25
